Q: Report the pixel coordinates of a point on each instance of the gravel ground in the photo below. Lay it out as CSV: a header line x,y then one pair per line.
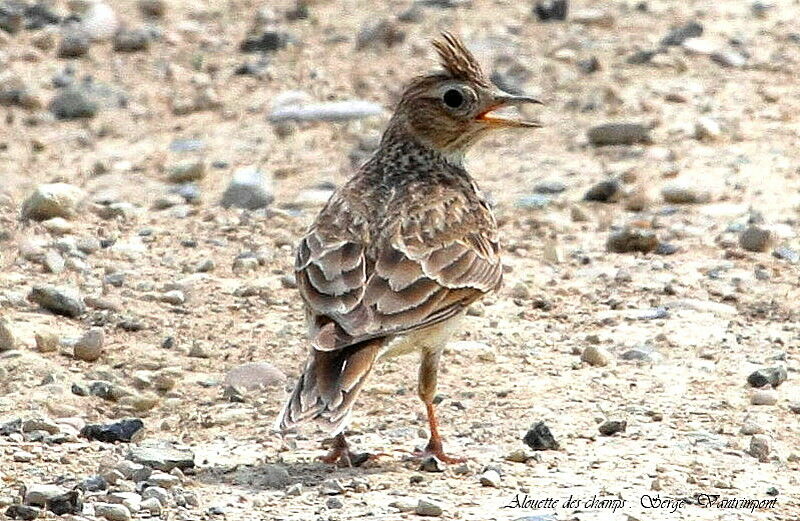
x,y
649,317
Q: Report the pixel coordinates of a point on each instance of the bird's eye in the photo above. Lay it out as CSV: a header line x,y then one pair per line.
x,y
453,98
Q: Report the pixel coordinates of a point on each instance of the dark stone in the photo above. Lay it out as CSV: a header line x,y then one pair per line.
x,y
73,103
539,437
589,65
611,427
38,15
632,240
551,10
102,389
641,57
93,484
23,512
69,503
11,427
666,248
57,300
773,376
604,192
680,34
268,41
123,430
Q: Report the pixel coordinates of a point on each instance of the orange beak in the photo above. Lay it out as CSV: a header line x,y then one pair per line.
x,y
503,100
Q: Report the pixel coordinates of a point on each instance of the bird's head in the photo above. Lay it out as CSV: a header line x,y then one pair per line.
x,y
451,109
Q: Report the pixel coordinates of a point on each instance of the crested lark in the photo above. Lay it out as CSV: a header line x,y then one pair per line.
x,y
402,249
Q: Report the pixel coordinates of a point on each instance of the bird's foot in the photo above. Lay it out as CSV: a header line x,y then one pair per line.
x,y
434,448
341,455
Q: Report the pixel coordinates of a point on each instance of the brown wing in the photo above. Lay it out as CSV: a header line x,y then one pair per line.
x,y
435,257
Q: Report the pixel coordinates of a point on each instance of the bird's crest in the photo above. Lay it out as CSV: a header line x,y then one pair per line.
x,y
458,61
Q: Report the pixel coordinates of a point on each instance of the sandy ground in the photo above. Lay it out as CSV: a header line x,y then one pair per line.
x,y
709,314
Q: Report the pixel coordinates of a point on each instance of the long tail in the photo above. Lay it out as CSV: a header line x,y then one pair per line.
x,y
329,386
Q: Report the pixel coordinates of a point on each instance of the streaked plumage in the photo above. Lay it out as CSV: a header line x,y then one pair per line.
x,y
403,248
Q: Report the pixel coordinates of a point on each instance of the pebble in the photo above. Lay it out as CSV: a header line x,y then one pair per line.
x,y
760,447
596,356
618,134
73,44
334,503
773,376
40,424
157,493
162,456
729,58
58,226
550,187
684,193
268,41
539,437
132,40
59,300
112,512
518,456
764,397
750,428
8,339
331,487
295,490
123,431
74,102
153,8
491,478
785,253
24,512
89,346
328,111
187,171
52,200
630,239
151,505
255,375
249,189
429,507
550,10
756,239
604,192
22,456
707,129
431,464
164,480
678,35
611,427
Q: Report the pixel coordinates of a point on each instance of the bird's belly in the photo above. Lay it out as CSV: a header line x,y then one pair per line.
x,y
429,339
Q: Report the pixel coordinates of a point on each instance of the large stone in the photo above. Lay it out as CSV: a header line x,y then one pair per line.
x,y
58,300
39,495
52,200
250,189
74,103
539,437
112,512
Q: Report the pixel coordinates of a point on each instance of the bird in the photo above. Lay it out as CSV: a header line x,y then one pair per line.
x,y
401,250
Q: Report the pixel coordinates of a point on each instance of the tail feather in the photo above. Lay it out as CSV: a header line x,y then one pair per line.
x,y
329,385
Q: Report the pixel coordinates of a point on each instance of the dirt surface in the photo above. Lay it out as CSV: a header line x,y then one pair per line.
x,y
186,292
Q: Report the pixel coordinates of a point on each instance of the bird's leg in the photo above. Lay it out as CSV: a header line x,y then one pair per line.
x,y
428,370
341,455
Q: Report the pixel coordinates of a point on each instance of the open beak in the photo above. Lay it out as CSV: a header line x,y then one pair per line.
x,y
503,100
